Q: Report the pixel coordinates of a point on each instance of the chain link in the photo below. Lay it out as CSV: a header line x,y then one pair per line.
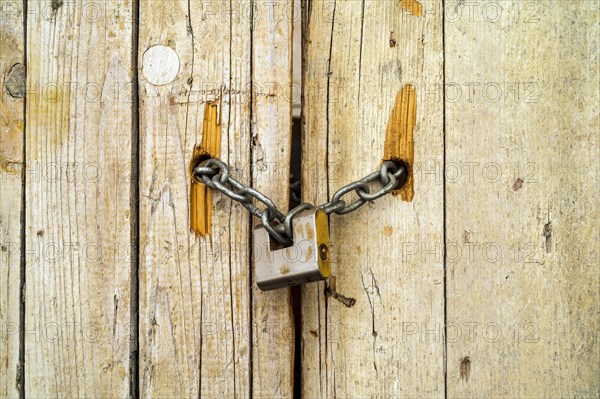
x,y
215,174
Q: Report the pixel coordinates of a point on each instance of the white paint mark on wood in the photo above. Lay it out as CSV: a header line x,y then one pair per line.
x,y
160,65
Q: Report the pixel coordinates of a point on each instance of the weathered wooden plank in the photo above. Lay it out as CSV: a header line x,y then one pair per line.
x,y
218,65
194,292
78,155
387,256
522,86
12,93
272,90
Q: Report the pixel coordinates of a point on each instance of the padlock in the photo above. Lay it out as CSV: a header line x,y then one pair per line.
x,y
306,260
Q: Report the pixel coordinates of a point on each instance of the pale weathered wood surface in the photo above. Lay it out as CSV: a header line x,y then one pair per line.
x,y
388,256
195,314
506,198
78,155
195,324
12,93
272,90
523,199
194,292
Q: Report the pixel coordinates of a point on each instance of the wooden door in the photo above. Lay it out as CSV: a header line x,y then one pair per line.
x,y
479,279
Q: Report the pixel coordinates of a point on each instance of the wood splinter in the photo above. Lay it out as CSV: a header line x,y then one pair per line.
x,y
200,194
399,145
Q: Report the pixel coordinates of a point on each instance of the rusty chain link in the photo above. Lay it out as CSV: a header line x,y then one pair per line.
x,y
215,174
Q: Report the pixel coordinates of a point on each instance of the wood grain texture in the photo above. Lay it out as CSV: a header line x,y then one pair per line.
x,y
386,256
195,303
194,292
78,155
200,194
12,92
399,141
523,200
509,205
272,90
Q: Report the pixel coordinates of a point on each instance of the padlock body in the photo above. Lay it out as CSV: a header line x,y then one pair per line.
x,y
305,261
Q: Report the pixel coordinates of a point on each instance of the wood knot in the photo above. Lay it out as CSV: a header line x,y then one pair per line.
x,y
465,368
14,81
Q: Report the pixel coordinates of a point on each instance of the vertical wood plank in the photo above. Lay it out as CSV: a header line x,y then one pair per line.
x,y
78,149
272,90
523,199
387,256
317,24
194,292
12,93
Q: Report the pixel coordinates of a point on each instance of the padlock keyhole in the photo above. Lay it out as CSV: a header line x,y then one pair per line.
x,y
323,252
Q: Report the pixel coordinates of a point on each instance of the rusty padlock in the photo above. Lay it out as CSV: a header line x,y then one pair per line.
x,y
306,260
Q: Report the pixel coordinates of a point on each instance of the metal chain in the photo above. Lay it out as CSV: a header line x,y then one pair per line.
x,y
215,174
